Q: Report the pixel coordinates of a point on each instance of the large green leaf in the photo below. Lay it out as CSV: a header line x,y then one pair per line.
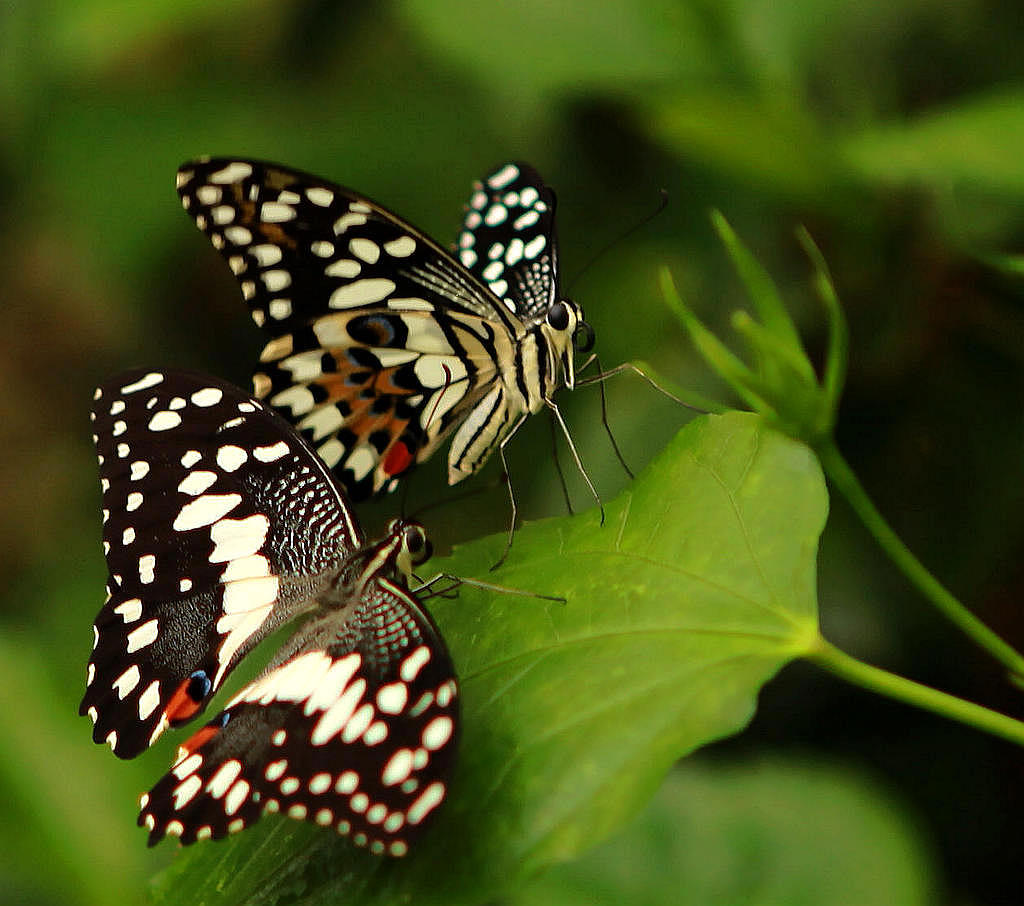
x,y
697,589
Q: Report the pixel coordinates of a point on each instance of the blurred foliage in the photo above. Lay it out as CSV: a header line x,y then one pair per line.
x,y
779,831
892,131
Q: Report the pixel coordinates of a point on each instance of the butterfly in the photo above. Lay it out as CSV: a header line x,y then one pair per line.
x,y
383,344
220,525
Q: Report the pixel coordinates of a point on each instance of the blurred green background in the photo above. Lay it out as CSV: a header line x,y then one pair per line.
x,y
894,132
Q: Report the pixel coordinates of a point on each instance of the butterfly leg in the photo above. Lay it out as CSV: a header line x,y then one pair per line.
x,y
607,424
558,466
553,406
511,496
600,378
426,589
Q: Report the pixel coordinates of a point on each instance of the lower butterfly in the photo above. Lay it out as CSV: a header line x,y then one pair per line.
x,y
220,524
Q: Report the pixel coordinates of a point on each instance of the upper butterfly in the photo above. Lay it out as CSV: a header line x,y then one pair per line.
x,y
219,526
383,343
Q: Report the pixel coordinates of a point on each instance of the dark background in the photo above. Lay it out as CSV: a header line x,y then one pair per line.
x,y
893,132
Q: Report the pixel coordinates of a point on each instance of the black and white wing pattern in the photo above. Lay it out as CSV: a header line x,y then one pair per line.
x,y
220,525
382,342
508,239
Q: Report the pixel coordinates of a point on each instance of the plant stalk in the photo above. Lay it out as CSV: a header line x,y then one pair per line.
x,y
836,661
844,479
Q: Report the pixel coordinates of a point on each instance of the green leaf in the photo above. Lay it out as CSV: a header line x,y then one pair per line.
x,y
536,46
57,795
764,295
1011,265
973,145
764,141
774,832
93,33
697,589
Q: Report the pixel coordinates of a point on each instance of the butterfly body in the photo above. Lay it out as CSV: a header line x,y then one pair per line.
x,y
221,525
383,344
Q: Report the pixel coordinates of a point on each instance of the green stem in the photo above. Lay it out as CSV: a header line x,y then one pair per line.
x,y
844,479
836,661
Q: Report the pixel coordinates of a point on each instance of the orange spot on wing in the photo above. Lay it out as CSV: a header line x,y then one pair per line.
x,y
182,706
337,385
198,740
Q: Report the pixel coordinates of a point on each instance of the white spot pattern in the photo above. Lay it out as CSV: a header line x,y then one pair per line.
x,y
225,776
143,383
205,510
149,700
164,421
145,635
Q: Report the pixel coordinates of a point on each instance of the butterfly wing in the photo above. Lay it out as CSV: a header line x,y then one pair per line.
x,y
354,727
382,341
508,239
219,525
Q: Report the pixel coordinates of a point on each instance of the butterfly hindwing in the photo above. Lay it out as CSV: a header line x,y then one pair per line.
x,y
219,524
377,391
353,727
508,239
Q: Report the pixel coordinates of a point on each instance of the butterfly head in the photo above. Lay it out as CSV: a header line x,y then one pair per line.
x,y
567,332
412,546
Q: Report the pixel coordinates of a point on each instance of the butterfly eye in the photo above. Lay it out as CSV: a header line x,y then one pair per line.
x,y
584,337
558,316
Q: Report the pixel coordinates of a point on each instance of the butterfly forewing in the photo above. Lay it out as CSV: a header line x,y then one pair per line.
x,y
219,525
382,341
354,728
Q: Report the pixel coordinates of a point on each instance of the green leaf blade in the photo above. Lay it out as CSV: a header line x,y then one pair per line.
x,y
698,588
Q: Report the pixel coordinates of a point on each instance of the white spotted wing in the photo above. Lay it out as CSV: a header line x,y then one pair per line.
x,y
383,343
219,525
352,727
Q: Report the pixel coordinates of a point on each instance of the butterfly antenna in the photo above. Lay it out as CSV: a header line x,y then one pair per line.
x,y
602,376
427,590
629,231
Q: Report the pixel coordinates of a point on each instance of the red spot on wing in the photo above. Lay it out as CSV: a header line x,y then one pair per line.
x,y
399,459
182,706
